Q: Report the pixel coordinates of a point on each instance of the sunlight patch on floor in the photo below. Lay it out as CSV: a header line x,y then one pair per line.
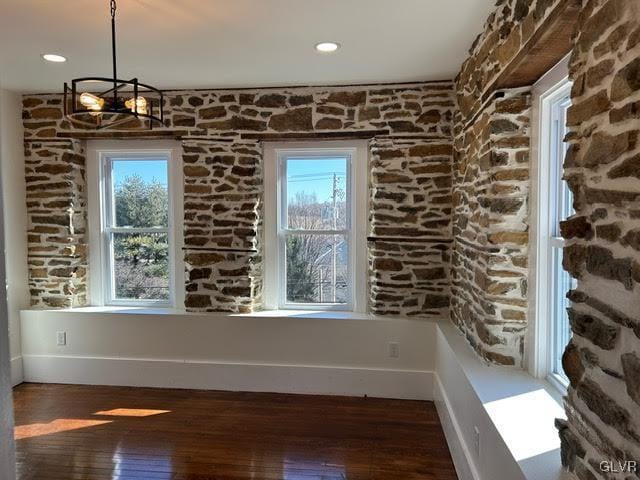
x,y
55,426
131,412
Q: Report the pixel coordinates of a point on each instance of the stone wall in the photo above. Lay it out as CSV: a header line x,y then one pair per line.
x,y
410,226
510,26
491,186
222,225
414,195
222,132
603,242
490,226
603,250
57,237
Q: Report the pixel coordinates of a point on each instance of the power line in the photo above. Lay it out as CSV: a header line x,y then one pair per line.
x,y
323,174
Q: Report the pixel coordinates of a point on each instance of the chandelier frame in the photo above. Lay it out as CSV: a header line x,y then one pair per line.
x,y
112,101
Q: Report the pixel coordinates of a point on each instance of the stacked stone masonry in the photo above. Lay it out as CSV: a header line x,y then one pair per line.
x,y
509,27
222,225
602,252
222,133
410,226
491,186
56,209
603,242
490,227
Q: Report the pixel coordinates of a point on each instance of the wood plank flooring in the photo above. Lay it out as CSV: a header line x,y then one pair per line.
x,y
69,432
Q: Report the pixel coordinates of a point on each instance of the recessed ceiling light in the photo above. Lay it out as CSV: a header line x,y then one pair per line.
x,y
52,57
327,47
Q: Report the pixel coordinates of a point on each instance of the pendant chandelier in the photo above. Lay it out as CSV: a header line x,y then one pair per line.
x,y
102,102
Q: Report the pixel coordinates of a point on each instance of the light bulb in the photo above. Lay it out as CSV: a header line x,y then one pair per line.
x,y
53,57
91,101
137,105
327,47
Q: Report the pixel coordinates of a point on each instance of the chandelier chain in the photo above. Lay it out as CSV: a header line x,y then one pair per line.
x,y
113,8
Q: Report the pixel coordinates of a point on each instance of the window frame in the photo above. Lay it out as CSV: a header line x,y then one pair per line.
x,y
275,218
559,197
547,170
100,155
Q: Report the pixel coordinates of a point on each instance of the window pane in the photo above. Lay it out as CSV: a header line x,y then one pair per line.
x,y
562,329
566,197
141,266
316,193
140,192
564,206
563,209
317,268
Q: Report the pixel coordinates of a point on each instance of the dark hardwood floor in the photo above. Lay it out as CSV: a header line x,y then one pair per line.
x,y
68,432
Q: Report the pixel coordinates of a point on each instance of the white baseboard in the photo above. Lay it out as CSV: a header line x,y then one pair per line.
x,y
462,459
166,373
17,376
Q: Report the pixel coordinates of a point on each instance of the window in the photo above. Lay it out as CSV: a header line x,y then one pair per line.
x,y
132,223
561,208
314,250
554,203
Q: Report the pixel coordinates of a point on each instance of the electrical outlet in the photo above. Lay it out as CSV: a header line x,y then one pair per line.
x,y
476,440
394,350
61,339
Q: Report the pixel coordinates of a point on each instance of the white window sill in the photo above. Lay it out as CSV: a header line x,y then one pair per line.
x,y
302,314
521,408
557,384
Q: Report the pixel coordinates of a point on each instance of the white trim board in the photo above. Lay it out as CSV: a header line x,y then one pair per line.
x,y
17,375
168,373
462,458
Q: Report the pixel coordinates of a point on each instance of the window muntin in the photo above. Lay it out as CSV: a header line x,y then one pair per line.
x,y
136,229
314,230
560,208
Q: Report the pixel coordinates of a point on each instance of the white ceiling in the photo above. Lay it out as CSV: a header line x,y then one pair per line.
x,y
237,43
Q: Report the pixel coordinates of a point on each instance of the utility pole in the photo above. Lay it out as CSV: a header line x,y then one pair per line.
x,y
335,227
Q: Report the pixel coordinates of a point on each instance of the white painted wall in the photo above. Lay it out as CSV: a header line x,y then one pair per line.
x,y
323,353
303,353
7,462
15,216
